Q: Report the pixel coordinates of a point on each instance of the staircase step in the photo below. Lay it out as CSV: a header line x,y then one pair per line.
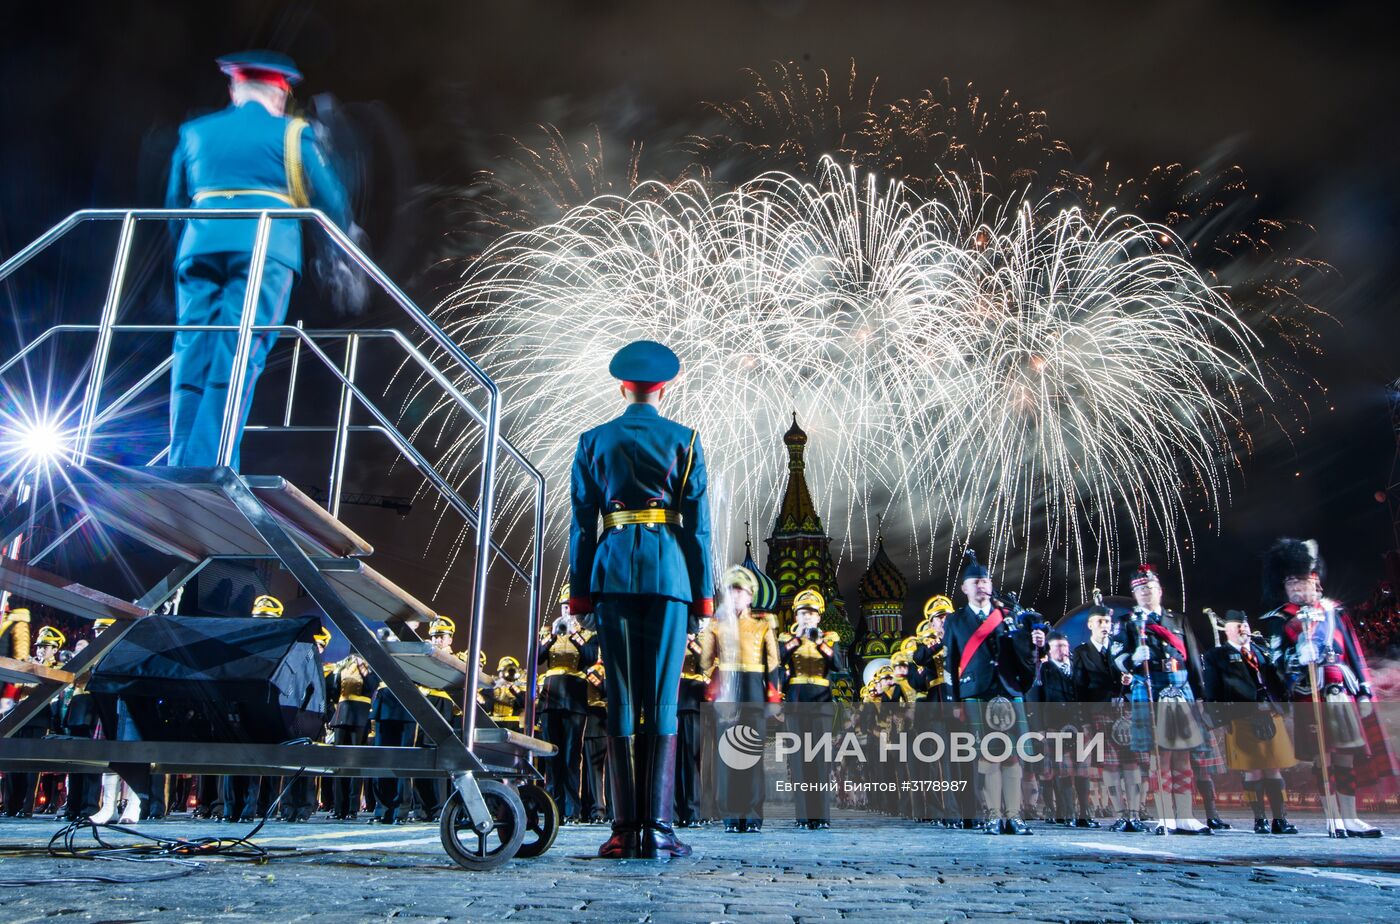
x,y
513,739
181,512
39,586
427,666
13,671
372,596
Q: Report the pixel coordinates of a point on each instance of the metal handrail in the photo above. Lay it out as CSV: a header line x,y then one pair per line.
x,y
492,418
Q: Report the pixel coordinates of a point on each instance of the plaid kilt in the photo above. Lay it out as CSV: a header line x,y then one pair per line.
x,y
1144,727
1115,756
1210,756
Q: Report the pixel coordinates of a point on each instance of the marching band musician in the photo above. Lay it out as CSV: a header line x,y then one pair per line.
x,y
594,795
18,788
1314,647
695,683
508,694
742,654
990,666
1159,652
1101,685
565,652
354,686
810,655
1257,743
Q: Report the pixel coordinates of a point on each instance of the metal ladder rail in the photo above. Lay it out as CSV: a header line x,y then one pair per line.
x,y
264,217
532,637
492,418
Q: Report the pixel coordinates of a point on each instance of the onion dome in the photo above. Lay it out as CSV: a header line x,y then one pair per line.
x,y
882,582
765,599
795,436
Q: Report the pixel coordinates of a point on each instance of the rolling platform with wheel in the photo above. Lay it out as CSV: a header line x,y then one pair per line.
x,y
191,517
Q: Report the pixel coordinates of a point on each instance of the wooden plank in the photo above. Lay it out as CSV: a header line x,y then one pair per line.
x,y
41,586
13,671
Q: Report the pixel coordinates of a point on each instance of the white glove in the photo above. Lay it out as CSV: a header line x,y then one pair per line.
x,y
1141,655
1367,707
1307,651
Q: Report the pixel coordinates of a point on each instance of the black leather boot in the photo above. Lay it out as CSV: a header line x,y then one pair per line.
x,y
622,775
658,783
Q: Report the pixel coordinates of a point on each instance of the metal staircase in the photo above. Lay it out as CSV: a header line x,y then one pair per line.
x,y
197,516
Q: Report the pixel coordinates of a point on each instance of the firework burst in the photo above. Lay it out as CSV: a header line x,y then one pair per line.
x,y
1055,385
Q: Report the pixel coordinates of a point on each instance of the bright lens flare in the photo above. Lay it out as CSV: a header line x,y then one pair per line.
x,y
33,445
1049,386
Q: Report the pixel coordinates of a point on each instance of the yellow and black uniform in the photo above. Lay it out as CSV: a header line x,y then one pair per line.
x,y
742,652
354,685
563,658
594,806
810,656
695,682
507,695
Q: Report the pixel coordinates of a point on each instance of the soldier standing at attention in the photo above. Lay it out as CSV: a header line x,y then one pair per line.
x,y
250,155
644,476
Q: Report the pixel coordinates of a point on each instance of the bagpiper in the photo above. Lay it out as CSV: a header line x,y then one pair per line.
x,y
645,576
809,655
1103,687
1157,649
1066,776
1256,738
991,663
1314,646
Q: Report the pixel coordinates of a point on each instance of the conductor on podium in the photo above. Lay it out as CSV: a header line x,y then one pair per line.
x,y
645,575
251,155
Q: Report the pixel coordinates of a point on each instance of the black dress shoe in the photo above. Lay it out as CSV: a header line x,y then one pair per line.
x,y
971,824
1369,833
1261,826
1215,824
1016,826
1282,826
820,825
1134,827
753,827
992,826
1086,823
1119,825
734,827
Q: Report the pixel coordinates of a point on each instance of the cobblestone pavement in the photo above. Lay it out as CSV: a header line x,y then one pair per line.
x,y
862,869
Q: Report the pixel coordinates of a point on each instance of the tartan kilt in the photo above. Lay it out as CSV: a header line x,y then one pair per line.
x,y
1146,731
1115,756
1210,756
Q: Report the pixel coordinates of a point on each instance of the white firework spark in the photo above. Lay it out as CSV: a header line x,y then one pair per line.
x,y
1013,374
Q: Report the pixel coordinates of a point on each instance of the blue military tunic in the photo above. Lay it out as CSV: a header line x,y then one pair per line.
x,y
239,157
637,461
641,577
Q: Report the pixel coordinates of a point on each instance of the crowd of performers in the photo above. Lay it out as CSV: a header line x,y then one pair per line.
x,y
1169,714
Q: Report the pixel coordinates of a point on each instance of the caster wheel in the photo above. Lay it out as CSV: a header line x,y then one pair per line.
x,y
541,821
474,851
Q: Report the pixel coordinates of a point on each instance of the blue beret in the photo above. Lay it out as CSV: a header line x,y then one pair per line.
x,y
644,361
259,60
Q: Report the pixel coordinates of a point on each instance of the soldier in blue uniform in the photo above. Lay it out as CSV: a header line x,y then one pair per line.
x,y
250,155
645,575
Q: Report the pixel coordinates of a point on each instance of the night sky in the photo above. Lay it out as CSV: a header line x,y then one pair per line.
x,y
1303,96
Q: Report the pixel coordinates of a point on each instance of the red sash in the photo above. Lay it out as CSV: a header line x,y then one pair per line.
x,y
994,619
1170,637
